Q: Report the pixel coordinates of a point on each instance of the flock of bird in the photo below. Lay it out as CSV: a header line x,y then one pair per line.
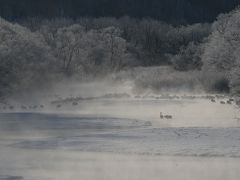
x,y
229,101
22,107
214,99
8,107
165,116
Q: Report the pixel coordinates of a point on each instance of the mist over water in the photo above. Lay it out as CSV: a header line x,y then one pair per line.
x,y
119,98
112,133
104,98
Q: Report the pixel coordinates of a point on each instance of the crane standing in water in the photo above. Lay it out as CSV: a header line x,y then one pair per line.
x,y
165,116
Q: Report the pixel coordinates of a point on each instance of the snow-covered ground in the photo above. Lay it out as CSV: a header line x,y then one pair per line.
x,y
122,140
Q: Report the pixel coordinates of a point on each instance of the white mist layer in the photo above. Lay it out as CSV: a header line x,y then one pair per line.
x,y
119,138
195,112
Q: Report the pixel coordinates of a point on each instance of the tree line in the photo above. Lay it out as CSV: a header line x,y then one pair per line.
x,y
35,51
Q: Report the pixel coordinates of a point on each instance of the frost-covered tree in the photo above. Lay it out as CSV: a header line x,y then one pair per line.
x,y
189,58
221,52
151,41
68,46
24,58
116,47
81,51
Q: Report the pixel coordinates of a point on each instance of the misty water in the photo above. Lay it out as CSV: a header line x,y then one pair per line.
x,y
122,139
119,90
